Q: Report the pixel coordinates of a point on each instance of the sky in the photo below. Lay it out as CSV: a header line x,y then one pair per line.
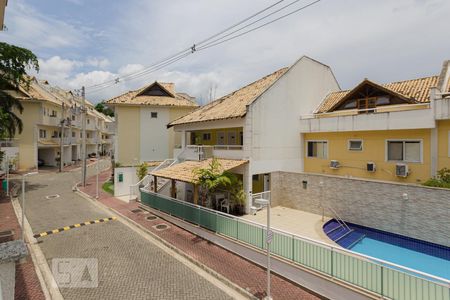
x,y
85,42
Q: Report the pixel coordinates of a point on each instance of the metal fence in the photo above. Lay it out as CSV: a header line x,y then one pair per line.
x,y
371,274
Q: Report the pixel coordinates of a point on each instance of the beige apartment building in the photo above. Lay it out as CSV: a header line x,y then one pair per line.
x,y
48,111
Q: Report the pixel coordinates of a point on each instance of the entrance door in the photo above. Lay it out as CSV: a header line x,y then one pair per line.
x,y
266,182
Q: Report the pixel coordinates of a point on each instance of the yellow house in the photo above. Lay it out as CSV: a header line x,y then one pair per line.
x,y
45,109
141,122
395,132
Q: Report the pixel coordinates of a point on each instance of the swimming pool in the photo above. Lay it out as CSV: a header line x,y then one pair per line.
x,y
412,253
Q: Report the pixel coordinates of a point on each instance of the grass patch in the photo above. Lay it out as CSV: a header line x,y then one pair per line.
x,y
108,187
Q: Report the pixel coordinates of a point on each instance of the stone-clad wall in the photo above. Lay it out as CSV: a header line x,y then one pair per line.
x,y
424,215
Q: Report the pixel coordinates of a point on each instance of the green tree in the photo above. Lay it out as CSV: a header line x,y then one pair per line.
x,y
212,178
14,63
101,107
141,171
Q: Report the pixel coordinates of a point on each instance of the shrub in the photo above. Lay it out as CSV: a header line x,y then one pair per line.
x,y
442,179
141,171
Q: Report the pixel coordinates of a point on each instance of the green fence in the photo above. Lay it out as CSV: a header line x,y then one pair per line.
x,y
383,278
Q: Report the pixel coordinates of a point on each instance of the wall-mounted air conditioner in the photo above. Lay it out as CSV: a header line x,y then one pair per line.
x,y
401,170
371,167
334,164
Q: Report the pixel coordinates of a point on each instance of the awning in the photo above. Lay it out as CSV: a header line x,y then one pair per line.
x,y
184,171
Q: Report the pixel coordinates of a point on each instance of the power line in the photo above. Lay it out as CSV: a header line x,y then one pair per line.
x,y
191,48
182,54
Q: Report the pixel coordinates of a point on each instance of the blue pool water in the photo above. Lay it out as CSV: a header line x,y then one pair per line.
x,y
402,256
401,250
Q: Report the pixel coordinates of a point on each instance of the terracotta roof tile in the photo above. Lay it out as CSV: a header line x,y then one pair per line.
x,y
232,105
417,89
184,171
133,98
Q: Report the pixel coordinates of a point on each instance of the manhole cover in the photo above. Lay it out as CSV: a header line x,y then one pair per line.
x,y
152,218
52,196
161,227
137,210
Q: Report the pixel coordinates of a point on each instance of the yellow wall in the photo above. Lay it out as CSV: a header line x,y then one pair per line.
x,y
128,133
27,141
175,137
353,163
258,185
213,132
443,144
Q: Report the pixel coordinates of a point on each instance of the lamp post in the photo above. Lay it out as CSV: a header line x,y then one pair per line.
x,y
269,235
23,201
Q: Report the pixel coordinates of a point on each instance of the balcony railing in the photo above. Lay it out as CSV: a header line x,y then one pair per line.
x,y
202,152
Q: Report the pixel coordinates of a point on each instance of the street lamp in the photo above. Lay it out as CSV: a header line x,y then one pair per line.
x,y
269,235
23,201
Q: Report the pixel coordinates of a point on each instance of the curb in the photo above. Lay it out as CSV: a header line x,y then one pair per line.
x,y
205,268
45,276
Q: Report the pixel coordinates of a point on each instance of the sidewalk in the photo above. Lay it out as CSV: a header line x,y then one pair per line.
x,y
236,269
27,282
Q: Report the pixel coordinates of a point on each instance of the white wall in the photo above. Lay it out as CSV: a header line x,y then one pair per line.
x,y
129,178
154,135
272,129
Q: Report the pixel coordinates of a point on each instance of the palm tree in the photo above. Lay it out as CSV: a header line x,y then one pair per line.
x,y
211,178
14,63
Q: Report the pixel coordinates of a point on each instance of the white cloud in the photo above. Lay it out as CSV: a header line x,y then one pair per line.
x,y
101,63
26,27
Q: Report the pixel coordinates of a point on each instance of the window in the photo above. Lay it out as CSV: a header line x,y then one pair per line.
x,y
73,117
42,133
81,134
88,121
318,149
207,136
154,114
355,145
255,177
407,151
54,114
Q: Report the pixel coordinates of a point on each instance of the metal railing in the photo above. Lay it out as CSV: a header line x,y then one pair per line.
x,y
134,188
368,273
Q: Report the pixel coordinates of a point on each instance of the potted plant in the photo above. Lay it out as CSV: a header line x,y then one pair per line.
x,y
238,197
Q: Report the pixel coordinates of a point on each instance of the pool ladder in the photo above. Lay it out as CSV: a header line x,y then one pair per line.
x,y
341,223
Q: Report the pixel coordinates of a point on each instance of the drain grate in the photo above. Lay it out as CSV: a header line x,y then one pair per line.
x,y
161,227
151,218
137,210
52,196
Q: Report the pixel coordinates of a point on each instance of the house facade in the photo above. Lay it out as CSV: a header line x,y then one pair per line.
x,y
393,132
257,124
141,119
48,111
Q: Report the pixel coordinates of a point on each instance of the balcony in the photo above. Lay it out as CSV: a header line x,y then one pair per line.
x,y
50,121
198,152
443,109
412,116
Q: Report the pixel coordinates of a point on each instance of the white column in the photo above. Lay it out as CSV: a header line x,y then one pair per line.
x,y
247,182
183,139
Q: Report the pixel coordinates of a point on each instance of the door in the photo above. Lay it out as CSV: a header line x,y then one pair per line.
x,y
232,138
221,138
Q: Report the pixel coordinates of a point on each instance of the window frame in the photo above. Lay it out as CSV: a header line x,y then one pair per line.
x,y
43,136
316,141
404,141
355,140
153,115
206,134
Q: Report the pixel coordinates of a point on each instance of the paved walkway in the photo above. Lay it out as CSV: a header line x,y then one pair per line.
x,y
233,267
294,221
130,265
28,286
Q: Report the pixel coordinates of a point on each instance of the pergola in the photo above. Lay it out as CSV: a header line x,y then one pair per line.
x,y
184,172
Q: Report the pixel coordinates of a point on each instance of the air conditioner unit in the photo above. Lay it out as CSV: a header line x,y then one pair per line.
x,y
401,170
334,164
371,167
